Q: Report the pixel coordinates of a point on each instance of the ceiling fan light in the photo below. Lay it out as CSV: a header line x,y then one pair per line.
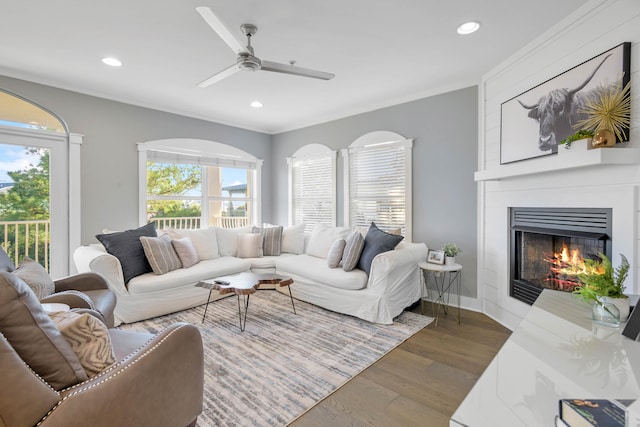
x,y
468,27
256,104
113,62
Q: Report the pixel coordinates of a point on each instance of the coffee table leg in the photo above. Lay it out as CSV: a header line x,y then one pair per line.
x,y
291,296
243,319
207,305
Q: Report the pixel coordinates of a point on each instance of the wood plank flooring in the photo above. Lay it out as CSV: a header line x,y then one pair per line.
x,y
421,382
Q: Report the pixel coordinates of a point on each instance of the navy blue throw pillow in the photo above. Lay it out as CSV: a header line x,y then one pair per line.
x,y
376,242
126,246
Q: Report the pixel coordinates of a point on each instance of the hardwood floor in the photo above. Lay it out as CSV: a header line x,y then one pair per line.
x,y
421,382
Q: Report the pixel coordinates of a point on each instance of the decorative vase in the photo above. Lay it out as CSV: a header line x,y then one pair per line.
x,y
605,314
622,304
603,138
449,260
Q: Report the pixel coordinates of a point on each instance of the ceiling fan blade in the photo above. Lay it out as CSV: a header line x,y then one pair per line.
x,y
222,31
220,75
298,71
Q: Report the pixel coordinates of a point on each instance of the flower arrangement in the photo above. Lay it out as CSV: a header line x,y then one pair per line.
x,y
450,249
599,279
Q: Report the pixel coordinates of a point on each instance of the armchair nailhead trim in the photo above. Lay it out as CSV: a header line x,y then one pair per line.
x,y
82,387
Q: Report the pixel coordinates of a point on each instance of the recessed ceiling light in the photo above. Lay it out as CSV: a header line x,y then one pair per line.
x,y
468,27
256,104
112,62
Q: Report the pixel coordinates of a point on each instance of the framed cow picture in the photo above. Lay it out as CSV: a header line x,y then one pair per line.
x,y
533,123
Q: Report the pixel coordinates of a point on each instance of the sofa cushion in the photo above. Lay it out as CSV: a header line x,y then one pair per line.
x,y
293,239
272,240
352,251
34,275
250,245
335,253
206,269
126,246
323,237
160,254
228,239
89,339
33,335
186,251
205,240
376,242
315,269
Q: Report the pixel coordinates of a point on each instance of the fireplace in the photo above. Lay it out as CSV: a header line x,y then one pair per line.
x,y
545,240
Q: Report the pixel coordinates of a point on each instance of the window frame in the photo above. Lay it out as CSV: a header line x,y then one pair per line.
x,y
203,153
372,141
306,153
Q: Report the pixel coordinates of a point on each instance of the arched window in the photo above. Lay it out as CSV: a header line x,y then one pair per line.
x,y
378,182
192,183
39,185
312,186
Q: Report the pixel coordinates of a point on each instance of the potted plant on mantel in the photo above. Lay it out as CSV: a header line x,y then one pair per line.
x,y
604,286
450,252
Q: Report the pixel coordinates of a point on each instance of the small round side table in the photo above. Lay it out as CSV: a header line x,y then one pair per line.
x,y
441,277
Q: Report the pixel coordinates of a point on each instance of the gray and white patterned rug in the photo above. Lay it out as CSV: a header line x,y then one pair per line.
x,y
283,363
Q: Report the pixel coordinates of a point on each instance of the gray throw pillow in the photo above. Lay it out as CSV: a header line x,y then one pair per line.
x,y
126,246
36,277
352,251
376,242
186,252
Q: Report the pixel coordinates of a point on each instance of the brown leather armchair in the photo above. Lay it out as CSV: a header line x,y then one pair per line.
x,y
157,380
86,290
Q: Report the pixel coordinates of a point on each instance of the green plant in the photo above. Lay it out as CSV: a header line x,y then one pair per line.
x,y
599,279
450,249
581,134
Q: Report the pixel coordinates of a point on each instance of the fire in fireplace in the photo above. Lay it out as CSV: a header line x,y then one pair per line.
x,y
548,245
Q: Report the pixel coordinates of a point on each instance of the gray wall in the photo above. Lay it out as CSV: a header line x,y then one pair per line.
x,y
109,189
445,133
444,129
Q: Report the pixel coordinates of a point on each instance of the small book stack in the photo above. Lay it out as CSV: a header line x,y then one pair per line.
x,y
593,412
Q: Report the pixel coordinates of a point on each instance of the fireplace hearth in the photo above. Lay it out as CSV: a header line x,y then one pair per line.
x,y
545,240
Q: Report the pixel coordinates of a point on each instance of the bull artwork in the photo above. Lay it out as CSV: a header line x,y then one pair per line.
x,y
559,110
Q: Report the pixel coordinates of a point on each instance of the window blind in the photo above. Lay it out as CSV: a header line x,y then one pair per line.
x,y
377,186
168,157
313,191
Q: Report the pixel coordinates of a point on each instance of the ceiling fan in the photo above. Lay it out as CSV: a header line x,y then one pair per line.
x,y
246,59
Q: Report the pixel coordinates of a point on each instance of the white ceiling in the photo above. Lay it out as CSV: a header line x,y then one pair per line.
x,y
382,52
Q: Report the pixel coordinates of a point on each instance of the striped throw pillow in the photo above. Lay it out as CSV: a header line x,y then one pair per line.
x,y
160,254
272,240
352,251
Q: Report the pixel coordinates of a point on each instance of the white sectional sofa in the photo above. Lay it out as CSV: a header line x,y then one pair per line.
x,y
392,285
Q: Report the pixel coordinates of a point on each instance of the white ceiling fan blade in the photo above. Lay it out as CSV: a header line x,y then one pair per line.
x,y
298,71
220,75
224,33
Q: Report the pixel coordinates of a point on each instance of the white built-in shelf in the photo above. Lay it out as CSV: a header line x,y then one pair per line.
x,y
572,158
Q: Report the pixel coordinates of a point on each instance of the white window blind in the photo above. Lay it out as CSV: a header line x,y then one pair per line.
x,y
313,190
378,187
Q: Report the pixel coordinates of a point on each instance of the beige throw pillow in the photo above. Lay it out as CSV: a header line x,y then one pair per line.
x,y
272,240
335,253
186,252
36,277
89,339
250,245
352,251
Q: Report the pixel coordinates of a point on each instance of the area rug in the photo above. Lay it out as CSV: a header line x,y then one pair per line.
x,y
283,363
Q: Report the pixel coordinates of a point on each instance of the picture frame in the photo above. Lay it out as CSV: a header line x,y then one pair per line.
x,y
632,328
533,123
435,257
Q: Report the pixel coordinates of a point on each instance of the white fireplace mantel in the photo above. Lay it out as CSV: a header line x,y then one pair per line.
x,y
573,158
